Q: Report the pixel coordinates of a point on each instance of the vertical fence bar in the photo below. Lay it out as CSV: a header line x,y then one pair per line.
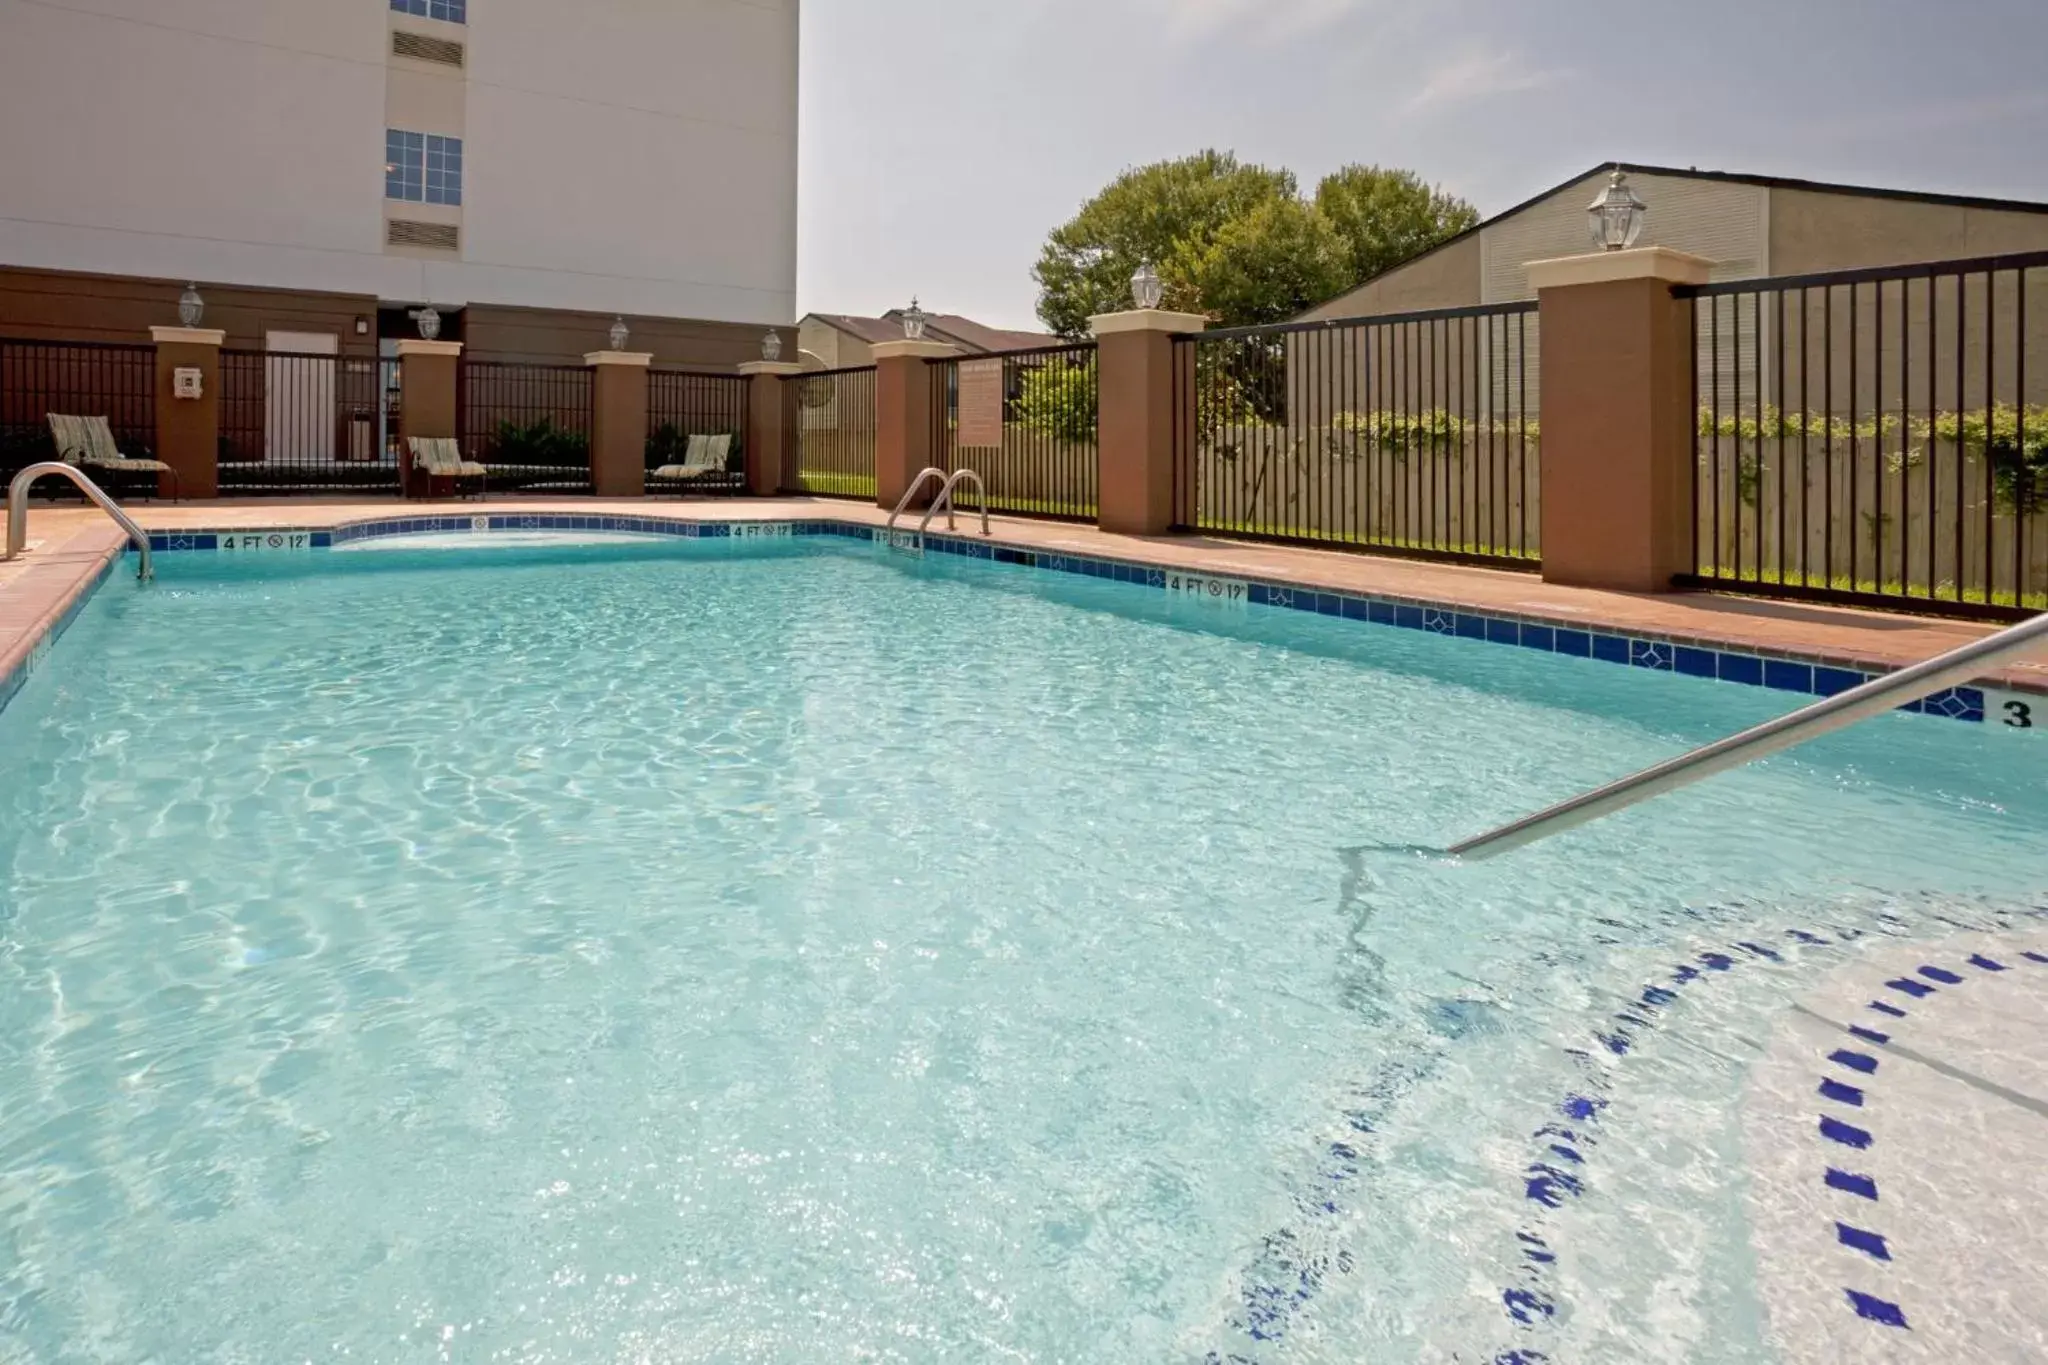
x,y
688,412
529,425
114,380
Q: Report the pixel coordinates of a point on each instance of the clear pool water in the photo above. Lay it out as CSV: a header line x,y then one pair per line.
x,y
669,954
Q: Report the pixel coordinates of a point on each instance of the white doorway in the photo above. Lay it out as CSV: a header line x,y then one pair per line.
x,y
298,397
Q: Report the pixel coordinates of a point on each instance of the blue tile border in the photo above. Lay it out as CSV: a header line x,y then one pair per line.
x,y
1777,672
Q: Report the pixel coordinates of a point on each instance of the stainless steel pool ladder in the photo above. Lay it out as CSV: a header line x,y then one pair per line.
x,y
1953,669
17,509
947,482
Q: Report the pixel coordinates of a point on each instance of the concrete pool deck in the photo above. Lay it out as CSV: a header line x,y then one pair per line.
x,y
68,544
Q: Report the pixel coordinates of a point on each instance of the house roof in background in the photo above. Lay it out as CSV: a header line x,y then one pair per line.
x,y
1776,182
969,335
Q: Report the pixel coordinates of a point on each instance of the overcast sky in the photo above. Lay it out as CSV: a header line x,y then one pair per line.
x,y
942,139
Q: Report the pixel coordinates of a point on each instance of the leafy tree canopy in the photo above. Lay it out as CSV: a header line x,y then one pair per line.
x,y
1237,242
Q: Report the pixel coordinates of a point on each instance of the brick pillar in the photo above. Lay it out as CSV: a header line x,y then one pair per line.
x,y
1618,424
188,429
903,416
428,373
768,418
618,422
1135,418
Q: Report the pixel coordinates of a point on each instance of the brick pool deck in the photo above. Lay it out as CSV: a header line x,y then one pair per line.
x,y
69,544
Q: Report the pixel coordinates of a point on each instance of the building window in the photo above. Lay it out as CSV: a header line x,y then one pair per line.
x,y
422,168
454,11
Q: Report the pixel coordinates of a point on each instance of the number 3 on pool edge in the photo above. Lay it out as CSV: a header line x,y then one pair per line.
x,y
2019,715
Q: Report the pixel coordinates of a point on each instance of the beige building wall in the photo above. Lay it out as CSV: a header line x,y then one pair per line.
x,y
1447,277
1812,231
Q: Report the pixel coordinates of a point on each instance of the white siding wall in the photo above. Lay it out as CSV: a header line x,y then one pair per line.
x,y
621,155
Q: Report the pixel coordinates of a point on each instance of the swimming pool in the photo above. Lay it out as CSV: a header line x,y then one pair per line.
x,y
789,950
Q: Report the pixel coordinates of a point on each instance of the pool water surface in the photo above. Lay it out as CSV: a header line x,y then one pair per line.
x,y
806,952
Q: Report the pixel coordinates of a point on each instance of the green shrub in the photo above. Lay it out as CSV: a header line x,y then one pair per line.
x,y
1059,399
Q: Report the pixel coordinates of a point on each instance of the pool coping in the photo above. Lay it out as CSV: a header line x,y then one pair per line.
x,y
1165,564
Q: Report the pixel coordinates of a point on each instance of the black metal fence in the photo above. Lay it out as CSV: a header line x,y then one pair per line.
x,y
682,404
116,381
293,423
529,425
1877,435
1413,433
1026,423
829,421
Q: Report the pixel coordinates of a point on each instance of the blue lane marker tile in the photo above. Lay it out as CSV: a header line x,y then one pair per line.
x,y
1855,1061
1869,1035
1876,1310
1525,1306
2029,953
1862,1186
1941,974
1847,1134
1719,962
1867,1242
1893,1010
1916,989
1985,964
1842,1094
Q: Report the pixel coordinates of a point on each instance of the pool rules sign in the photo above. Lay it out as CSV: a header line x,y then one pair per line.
x,y
981,404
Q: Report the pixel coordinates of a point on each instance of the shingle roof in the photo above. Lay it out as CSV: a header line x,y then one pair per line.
x,y
968,334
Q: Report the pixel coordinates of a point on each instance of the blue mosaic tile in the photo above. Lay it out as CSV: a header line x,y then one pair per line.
x,y
1438,622
1383,613
1611,649
1329,604
1787,676
1410,618
1695,663
1650,654
1357,609
1577,643
323,540
1534,636
1502,631
1468,626
1876,1310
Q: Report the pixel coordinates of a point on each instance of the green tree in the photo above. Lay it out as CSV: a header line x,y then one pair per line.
x,y
1385,216
1235,241
1146,214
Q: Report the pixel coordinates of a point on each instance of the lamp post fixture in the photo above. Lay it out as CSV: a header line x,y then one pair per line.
x,y
1616,217
430,323
619,333
1146,287
914,320
771,346
191,307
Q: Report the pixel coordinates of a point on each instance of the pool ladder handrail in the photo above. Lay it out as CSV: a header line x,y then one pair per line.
x,y
944,499
17,509
1954,668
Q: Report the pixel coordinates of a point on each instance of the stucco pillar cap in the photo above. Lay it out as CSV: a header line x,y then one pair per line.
x,y
920,350
1606,267
635,359
421,346
1146,320
784,368
190,336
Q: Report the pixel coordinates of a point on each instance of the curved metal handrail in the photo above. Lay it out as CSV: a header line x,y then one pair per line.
x,y
17,509
1952,669
945,499
929,471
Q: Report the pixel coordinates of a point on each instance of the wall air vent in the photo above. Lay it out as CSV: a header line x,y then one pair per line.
x,y
434,236
425,49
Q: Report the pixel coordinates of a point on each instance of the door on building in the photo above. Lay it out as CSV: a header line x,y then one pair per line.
x,y
298,397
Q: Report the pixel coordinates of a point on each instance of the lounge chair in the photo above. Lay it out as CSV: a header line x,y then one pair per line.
x,y
88,442
440,457
704,463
